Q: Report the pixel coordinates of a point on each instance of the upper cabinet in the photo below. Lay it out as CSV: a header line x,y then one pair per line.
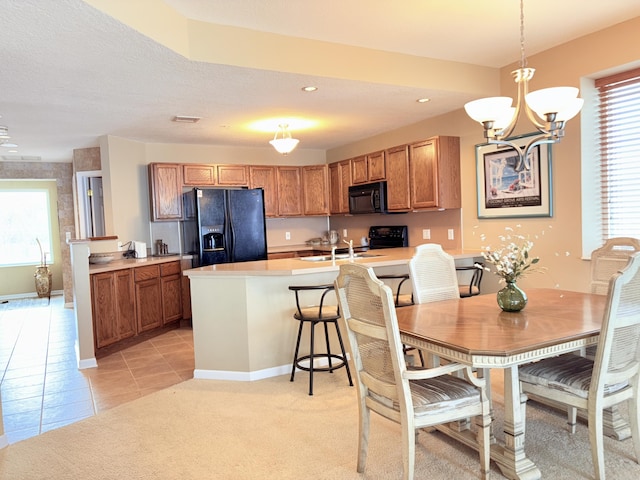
x,y
339,183
195,175
265,177
435,173
398,184
315,190
368,168
165,187
232,175
289,184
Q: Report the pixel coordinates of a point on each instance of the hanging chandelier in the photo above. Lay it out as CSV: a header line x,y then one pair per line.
x,y
548,109
283,143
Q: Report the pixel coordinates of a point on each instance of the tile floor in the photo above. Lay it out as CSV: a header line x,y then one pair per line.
x,y
42,388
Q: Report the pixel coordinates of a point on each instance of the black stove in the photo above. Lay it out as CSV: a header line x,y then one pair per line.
x,y
388,237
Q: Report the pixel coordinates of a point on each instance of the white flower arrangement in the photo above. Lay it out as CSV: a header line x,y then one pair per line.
x,y
512,260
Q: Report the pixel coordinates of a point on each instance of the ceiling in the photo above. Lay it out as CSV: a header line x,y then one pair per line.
x,y
72,73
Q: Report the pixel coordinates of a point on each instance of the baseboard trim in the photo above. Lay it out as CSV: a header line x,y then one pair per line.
x,y
3,441
241,376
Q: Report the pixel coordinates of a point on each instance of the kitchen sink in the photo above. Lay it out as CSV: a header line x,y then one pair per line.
x,y
339,256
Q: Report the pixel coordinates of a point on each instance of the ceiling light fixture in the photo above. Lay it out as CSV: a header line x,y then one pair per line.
x,y
548,109
284,144
423,100
310,88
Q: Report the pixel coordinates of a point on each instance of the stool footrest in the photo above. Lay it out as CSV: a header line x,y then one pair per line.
x,y
342,362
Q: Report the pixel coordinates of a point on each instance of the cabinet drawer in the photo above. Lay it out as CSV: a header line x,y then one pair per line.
x,y
146,273
169,268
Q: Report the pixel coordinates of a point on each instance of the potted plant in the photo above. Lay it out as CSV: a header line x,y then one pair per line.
x,y
43,275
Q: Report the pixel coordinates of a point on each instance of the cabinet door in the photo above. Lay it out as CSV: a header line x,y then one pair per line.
x,y
126,303
232,175
289,191
199,175
424,174
315,188
148,304
359,170
113,307
171,298
339,183
265,177
398,185
376,167
165,183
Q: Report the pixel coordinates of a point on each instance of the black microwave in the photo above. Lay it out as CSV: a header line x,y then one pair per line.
x,y
368,198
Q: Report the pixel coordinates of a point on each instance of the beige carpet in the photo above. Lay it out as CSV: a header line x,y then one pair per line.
x,y
272,429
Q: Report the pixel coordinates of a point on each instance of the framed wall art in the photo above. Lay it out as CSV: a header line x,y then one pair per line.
x,y
504,190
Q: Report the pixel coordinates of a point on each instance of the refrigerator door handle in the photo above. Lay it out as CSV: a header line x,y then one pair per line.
x,y
228,227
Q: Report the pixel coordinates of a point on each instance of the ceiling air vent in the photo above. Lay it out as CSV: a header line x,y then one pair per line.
x,y
185,119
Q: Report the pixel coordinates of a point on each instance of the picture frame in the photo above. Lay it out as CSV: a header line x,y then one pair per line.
x,y
502,192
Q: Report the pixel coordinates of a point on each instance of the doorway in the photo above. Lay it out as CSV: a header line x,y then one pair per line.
x,y
90,204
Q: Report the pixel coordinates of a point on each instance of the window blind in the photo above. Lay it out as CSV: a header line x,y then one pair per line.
x,y
619,151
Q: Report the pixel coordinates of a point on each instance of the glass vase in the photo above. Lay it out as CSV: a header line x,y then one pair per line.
x,y
511,298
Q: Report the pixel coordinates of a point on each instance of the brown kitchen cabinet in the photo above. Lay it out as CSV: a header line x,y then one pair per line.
x,y
398,184
232,175
195,175
339,183
368,168
315,189
171,285
289,181
148,297
114,309
165,187
435,173
265,177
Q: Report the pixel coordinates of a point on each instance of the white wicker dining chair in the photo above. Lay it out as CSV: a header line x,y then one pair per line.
x,y
414,398
607,260
612,378
433,274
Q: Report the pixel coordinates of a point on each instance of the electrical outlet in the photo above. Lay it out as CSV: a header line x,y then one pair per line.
x,y
287,235
344,233
119,246
450,234
426,234
67,236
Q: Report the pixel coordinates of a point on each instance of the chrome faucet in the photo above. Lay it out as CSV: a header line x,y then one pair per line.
x,y
350,242
333,253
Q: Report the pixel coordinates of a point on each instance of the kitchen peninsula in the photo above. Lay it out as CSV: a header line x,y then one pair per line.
x,y
242,313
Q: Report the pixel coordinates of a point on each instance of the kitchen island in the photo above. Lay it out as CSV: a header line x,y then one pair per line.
x,y
242,313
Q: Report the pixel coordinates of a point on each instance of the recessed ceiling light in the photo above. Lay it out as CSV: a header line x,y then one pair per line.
x,y
309,89
423,100
185,119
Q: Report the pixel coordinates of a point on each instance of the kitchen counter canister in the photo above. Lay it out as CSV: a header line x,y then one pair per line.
x,y
242,313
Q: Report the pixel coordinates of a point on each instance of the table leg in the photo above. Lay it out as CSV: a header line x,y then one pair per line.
x,y
511,457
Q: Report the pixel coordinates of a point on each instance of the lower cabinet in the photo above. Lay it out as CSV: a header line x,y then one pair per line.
x,y
132,301
114,307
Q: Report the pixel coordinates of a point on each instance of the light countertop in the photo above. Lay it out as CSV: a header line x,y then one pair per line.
x,y
131,263
298,266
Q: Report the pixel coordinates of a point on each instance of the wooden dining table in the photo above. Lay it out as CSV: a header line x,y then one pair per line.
x,y
475,332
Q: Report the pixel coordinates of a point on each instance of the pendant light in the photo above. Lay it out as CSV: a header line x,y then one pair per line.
x,y
283,143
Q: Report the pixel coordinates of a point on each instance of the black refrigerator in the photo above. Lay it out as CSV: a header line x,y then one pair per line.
x,y
224,225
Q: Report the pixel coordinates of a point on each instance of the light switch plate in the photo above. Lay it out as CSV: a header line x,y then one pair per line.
x,y
344,233
426,234
450,234
287,235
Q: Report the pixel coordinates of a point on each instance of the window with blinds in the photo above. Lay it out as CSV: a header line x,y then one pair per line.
x,y
619,149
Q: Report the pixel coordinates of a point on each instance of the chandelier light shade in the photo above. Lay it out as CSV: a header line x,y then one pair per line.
x,y
282,140
548,109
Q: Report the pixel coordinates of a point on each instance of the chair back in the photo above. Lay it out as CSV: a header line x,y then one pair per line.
x,y
617,359
609,259
433,274
369,313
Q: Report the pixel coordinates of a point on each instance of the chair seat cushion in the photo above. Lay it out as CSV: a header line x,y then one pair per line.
x,y
329,312
442,394
569,373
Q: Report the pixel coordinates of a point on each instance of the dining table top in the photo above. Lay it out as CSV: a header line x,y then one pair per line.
x,y
476,326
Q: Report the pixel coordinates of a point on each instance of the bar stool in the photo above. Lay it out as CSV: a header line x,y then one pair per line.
x,y
314,315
